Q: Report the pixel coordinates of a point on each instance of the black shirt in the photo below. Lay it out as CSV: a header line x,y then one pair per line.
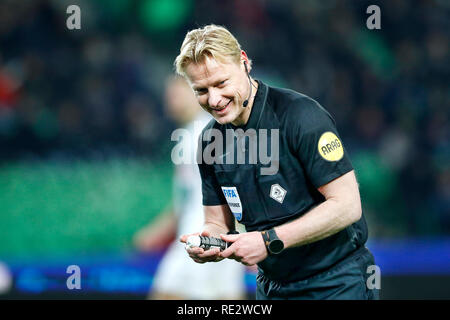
x,y
311,155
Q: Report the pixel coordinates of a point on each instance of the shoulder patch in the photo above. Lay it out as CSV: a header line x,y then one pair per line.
x,y
330,147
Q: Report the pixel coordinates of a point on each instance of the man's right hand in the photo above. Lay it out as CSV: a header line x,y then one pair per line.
x,y
200,255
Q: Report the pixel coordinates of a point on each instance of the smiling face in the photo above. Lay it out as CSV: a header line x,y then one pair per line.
x,y
221,88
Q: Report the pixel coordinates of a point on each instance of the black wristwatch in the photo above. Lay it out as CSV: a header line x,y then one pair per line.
x,y
273,244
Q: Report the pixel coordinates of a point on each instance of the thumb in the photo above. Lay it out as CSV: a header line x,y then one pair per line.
x,y
205,233
229,237
184,237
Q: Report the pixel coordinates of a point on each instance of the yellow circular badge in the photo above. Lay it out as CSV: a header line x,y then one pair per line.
x,y
330,147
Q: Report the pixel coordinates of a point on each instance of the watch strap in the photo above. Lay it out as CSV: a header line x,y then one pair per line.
x,y
272,235
265,236
269,236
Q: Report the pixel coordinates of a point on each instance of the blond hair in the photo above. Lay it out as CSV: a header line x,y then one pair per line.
x,y
210,41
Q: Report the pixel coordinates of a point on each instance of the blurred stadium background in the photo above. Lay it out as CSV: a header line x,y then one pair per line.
x,y
85,144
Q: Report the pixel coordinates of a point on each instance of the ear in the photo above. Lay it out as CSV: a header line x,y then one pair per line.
x,y
244,59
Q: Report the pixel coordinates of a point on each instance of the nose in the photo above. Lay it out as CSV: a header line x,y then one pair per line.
x,y
214,98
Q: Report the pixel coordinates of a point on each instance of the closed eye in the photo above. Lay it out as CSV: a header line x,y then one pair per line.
x,y
201,91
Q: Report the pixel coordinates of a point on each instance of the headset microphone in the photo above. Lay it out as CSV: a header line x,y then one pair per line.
x,y
245,103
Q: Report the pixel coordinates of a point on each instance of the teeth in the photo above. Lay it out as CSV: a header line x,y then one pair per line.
x,y
223,107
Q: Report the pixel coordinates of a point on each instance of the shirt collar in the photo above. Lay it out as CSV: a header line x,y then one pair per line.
x,y
257,108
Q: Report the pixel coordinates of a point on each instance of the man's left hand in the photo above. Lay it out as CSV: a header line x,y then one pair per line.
x,y
247,248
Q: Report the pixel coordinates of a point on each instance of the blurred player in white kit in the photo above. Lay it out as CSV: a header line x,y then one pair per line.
x,y
178,276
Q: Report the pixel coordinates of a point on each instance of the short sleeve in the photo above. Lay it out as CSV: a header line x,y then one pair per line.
x,y
211,191
318,144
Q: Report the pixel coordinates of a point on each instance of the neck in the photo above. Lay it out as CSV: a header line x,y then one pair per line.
x,y
245,114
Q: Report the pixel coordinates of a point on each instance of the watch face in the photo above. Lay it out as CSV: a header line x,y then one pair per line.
x,y
276,246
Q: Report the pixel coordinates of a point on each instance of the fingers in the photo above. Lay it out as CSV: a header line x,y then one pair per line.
x,y
229,252
198,254
201,256
184,237
230,237
210,254
205,234
194,251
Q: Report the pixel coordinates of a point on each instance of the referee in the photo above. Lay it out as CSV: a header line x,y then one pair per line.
x,y
304,223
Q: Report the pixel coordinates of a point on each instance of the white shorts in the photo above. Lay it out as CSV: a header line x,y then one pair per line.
x,y
179,275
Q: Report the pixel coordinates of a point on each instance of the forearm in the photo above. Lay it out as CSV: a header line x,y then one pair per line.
x,y
319,223
215,229
218,220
